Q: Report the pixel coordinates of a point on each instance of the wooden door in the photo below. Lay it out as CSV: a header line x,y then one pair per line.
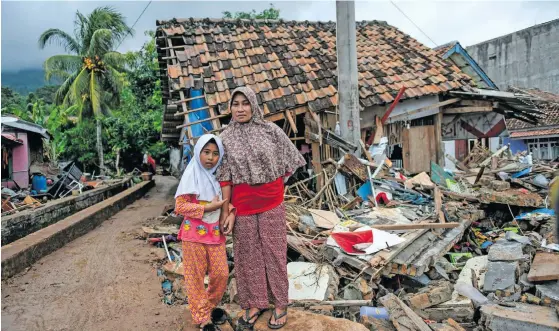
x,y
419,148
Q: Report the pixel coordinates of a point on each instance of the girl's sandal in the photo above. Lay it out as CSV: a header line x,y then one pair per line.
x,y
277,317
210,327
245,324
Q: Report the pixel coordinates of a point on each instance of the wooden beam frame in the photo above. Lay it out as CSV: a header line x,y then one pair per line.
x,y
466,110
423,109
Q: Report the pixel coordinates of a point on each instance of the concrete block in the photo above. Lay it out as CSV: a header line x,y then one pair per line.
x,y
434,294
521,317
460,308
549,293
500,276
504,250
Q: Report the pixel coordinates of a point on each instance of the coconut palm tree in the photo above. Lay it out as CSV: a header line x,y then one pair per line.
x,y
92,71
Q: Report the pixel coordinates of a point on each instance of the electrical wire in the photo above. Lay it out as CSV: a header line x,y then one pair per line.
x,y
401,11
133,25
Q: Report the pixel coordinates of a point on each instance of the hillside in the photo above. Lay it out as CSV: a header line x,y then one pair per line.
x,y
25,81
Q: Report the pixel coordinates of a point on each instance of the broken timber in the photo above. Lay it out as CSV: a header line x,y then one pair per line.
x,y
402,316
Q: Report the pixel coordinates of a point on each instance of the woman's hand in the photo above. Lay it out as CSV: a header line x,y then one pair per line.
x,y
228,224
215,204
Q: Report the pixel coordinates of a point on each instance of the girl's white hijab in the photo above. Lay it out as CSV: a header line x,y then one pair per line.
x,y
198,180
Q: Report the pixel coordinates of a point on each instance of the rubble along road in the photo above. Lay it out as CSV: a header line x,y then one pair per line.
x,y
103,280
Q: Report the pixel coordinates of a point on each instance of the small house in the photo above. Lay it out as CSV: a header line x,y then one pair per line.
x,y
22,147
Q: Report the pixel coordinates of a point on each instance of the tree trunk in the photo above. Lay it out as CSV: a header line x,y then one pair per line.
x,y
100,148
117,161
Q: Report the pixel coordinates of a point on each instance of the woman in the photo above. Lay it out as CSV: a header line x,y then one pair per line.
x,y
259,157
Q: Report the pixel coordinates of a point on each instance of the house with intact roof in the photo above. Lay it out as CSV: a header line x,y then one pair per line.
x,y
22,146
407,91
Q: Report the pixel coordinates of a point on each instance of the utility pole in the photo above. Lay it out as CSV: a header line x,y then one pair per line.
x,y
348,93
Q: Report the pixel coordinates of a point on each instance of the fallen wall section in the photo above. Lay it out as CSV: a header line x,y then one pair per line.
x,y
22,253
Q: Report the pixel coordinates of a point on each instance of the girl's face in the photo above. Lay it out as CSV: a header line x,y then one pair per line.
x,y
241,108
209,155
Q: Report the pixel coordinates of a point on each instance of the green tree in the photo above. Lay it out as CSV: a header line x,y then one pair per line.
x,y
92,71
271,14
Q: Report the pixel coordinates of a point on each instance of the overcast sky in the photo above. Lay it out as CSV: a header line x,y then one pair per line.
x,y
469,22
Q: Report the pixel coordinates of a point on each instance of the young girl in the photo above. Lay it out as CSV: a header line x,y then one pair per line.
x,y
199,200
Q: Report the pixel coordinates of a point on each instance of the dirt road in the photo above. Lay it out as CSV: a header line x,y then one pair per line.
x,y
104,280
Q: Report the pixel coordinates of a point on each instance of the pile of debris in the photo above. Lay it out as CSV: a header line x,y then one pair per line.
x,y
69,180
469,249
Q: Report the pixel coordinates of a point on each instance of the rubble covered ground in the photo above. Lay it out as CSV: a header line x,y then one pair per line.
x,y
471,249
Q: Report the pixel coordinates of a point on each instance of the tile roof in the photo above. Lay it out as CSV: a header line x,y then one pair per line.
x,y
534,133
546,102
293,64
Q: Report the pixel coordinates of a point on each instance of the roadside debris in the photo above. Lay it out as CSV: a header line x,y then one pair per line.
x,y
376,245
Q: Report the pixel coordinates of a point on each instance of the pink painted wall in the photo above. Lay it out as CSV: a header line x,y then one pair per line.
x,y
20,161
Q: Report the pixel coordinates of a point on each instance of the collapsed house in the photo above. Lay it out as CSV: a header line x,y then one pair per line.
x,y
455,248
407,92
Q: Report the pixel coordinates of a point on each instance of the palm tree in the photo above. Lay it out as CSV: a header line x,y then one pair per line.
x,y
92,71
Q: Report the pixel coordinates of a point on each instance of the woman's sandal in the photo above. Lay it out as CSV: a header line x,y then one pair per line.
x,y
277,317
244,324
220,316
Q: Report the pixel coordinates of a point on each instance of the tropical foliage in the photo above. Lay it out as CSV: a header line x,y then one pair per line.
x,y
271,14
92,71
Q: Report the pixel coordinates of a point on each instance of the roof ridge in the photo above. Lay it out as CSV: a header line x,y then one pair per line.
x,y
244,20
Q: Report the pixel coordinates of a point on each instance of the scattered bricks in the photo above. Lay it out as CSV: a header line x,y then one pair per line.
x,y
500,276
504,250
511,294
434,294
377,324
521,317
544,267
549,293
499,185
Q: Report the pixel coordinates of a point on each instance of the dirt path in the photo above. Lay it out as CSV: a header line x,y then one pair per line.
x,y
104,280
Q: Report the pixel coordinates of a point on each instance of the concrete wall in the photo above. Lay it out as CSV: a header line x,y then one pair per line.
x,y
527,58
21,224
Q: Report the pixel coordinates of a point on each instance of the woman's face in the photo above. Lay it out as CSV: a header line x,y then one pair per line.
x,y
241,109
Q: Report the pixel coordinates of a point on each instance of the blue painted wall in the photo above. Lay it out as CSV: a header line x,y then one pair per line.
x,y
515,145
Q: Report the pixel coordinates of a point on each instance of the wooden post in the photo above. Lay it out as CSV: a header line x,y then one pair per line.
x,y
439,138
315,147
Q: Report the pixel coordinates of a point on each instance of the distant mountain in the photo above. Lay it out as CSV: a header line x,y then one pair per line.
x,y
25,81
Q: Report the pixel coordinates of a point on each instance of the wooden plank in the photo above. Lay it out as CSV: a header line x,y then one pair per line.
x,y
317,120
497,153
291,121
423,109
418,144
379,131
458,164
187,100
367,154
544,267
190,111
476,103
466,110
439,204
402,316
186,125
438,135
416,226
315,149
